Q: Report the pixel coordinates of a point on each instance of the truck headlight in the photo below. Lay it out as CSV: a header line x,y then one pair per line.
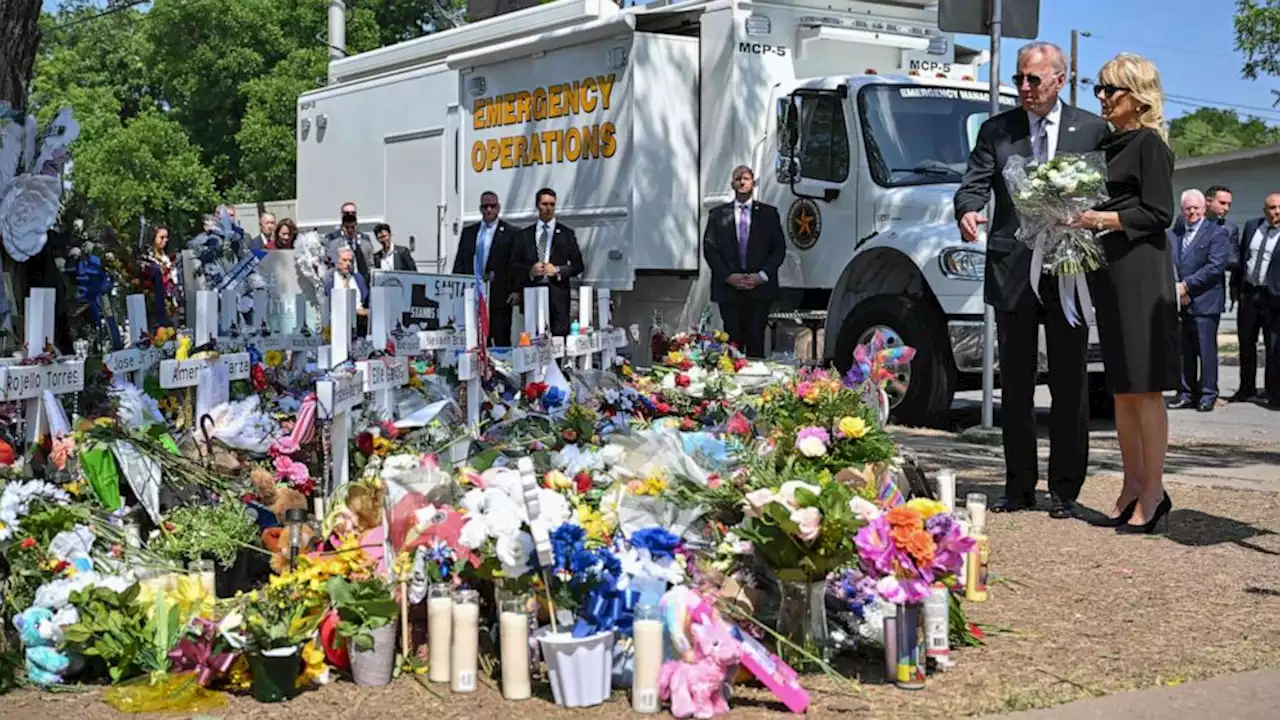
x,y
963,263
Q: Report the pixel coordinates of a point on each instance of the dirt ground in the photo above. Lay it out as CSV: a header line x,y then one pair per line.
x,y
1075,611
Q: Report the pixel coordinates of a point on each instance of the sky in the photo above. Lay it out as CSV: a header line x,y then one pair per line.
x,y
1191,41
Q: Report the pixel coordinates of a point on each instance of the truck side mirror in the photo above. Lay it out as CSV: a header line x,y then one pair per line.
x,y
793,125
787,168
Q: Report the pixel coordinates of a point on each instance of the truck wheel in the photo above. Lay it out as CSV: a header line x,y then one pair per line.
x,y
930,381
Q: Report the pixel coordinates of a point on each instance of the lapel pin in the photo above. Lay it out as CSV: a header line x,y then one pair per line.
x,y
1072,128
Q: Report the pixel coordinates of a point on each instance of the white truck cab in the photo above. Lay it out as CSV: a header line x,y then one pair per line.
x,y
856,117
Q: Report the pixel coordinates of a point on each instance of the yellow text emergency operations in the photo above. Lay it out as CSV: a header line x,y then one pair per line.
x,y
584,142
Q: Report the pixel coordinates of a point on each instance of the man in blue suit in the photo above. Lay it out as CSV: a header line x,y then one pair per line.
x,y
1201,252
1257,279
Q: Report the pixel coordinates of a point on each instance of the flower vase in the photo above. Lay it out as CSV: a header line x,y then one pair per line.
x,y
909,649
581,669
275,674
374,667
802,616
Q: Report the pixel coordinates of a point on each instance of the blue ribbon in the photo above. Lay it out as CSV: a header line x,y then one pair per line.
x,y
660,542
606,608
92,282
255,355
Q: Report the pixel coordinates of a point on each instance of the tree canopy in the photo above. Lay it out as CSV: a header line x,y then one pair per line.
x,y
185,103
1210,130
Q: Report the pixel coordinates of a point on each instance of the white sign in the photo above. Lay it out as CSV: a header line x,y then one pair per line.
x,y
271,342
384,373
24,382
132,359
425,301
616,338
186,373
339,394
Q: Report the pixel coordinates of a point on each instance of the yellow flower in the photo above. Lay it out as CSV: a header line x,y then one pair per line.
x,y
184,348
557,480
852,427
104,422
191,597
74,487
593,523
926,507
721,336
315,671
726,363
675,357
273,358
163,335
381,445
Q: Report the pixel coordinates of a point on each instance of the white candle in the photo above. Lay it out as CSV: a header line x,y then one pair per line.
x,y
513,625
976,504
648,660
947,489
466,638
439,632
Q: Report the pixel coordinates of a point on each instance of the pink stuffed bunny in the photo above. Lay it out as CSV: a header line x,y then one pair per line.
x,y
694,689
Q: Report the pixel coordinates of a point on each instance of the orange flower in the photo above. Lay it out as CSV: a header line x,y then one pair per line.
x,y
905,517
921,547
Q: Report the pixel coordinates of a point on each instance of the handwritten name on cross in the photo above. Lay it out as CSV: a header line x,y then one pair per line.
x,y
134,361
339,392
29,382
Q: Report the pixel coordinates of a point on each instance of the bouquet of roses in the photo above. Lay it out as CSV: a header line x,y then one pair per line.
x,y
909,548
1047,195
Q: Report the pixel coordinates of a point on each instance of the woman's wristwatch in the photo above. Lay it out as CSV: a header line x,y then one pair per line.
x,y
1098,224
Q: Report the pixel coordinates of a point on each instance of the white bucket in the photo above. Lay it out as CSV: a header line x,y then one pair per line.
x,y
374,667
581,669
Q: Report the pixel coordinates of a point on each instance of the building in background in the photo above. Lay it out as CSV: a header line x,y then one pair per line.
x,y
1250,174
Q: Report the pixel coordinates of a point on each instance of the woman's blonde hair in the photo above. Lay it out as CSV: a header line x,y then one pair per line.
x,y
1140,76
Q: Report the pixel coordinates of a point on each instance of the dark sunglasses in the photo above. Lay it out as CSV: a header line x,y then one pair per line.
x,y
488,206
1032,80
1108,90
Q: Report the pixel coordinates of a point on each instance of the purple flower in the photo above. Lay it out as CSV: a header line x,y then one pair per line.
x,y
875,547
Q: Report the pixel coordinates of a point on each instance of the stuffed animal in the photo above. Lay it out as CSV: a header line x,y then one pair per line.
x,y
40,636
276,499
695,689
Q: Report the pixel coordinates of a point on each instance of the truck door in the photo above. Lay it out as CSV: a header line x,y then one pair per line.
x,y
815,169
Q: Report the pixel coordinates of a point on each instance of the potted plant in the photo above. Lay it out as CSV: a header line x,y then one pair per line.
x,y
366,619
279,619
221,532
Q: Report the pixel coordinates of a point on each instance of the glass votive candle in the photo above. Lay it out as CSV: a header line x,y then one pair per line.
x,y
466,641
439,631
647,631
208,577
513,629
976,504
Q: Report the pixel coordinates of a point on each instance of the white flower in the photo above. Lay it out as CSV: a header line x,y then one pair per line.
x,y
475,533
864,509
514,552
553,509
757,500
787,493
811,447
28,208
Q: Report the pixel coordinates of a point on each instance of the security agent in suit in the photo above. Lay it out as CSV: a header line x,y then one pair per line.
x,y
1201,251
1258,283
267,231
547,255
744,247
494,239
1041,128
349,235
390,256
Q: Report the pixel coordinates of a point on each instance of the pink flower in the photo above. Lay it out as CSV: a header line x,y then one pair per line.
x,y
757,499
63,447
738,425
812,441
810,522
294,473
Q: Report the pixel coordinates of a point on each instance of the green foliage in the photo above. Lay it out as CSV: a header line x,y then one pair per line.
x,y
363,606
1209,130
128,638
1257,25
191,533
776,535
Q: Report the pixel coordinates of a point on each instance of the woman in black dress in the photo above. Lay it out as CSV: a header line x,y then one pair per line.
x,y
1134,295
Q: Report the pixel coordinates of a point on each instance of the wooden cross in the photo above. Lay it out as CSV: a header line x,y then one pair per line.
x,y
383,375
29,382
338,393
210,376
134,361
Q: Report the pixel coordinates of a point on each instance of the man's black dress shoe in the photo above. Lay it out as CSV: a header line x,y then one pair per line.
x,y
1014,504
1179,402
1062,509
1243,396
1206,406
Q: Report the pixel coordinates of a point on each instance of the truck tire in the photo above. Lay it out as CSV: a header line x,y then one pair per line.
x,y
932,382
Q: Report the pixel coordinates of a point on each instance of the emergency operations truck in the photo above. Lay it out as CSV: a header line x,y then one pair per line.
x,y
855,116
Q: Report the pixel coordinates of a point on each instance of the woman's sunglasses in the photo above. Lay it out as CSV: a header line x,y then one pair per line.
x,y
1108,91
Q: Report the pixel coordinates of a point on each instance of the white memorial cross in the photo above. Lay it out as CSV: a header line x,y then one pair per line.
x,y
338,393
29,382
383,375
533,359
211,376
134,361
585,342
612,339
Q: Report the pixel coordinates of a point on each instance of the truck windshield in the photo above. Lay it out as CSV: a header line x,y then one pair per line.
x,y
920,135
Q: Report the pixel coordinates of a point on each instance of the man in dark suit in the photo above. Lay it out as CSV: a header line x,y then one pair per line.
x,y
346,277
266,232
547,254
744,247
1201,251
1041,128
348,235
390,256
484,251
1257,282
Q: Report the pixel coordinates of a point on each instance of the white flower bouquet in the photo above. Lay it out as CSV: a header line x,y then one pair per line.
x,y
1045,196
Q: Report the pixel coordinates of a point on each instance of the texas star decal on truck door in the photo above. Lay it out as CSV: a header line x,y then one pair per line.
x,y
804,223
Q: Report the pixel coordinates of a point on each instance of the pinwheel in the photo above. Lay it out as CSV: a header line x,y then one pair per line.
x,y
876,365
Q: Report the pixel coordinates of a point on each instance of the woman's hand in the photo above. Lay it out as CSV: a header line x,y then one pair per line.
x,y
1087,220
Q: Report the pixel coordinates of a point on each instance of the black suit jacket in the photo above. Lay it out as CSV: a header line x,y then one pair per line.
x,y
1271,281
498,266
565,255
404,261
766,249
1008,275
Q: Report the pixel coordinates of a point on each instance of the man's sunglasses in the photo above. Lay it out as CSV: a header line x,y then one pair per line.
x,y
1032,80
488,206
1108,91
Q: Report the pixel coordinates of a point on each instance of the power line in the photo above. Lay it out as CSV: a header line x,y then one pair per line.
x,y
112,10
1188,100
1173,48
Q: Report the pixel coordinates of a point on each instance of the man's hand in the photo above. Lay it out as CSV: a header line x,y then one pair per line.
x,y
550,270
742,281
362,311
1184,297
1235,297
969,223
513,298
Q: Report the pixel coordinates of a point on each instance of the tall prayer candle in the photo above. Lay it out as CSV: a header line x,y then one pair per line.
x,y
513,625
439,631
466,638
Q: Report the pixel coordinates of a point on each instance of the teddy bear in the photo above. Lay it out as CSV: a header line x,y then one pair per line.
x,y
40,636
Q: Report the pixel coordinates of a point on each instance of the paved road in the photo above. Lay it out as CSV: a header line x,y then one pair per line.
x,y
1246,696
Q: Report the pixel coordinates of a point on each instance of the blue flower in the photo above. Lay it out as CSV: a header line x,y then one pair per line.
x,y
554,397
660,542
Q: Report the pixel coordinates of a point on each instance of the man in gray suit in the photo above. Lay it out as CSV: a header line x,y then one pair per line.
x,y
266,232
348,235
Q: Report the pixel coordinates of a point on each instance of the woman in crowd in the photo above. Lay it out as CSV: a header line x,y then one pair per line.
x,y
162,274
286,233
1134,295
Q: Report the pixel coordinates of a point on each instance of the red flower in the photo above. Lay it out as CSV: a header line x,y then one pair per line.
x,y
738,425
62,565
686,424
7,455
663,408
28,543
364,443
686,364
169,527
583,481
682,380
570,435
714,481
389,430
534,390
259,378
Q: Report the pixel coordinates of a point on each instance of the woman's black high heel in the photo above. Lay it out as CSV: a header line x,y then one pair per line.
x,y
1161,513
1122,518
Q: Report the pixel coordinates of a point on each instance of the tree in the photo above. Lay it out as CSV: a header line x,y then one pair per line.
x,y
400,20
19,39
1210,130
1257,25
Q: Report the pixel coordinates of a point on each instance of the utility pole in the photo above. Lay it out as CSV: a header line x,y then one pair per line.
x,y
1075,60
